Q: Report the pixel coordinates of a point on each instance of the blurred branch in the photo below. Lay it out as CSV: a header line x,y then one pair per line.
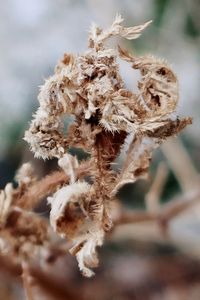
x,y
26,281
11,268
161,218
55,287
152,198
181,164
128,216
179,204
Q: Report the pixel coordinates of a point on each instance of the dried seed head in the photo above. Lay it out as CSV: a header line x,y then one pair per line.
x,y
86,85
90,88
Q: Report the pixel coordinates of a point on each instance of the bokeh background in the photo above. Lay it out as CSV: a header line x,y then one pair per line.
x,y
34,34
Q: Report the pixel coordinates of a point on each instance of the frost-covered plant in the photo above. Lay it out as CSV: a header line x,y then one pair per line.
x,y
89,88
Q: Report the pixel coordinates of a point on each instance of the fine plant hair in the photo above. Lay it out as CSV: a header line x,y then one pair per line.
x,y
83,195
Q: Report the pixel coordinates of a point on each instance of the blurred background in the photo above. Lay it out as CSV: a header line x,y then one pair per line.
x,y
34,34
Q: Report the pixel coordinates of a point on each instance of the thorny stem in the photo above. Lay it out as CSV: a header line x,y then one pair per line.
x,y
106,148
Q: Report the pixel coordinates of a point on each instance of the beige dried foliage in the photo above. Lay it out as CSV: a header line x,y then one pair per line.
x,y
72,217
90,88
23,232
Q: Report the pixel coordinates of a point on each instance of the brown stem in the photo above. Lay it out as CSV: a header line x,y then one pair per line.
x,y
49,185
167,212
181,164
178,205
152,198
127,217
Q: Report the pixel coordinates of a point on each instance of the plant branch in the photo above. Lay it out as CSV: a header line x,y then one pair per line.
x,y
166,213
152,198
49,185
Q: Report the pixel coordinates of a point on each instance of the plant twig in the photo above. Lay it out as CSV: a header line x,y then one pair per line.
x,y
128,216
48,185
181,164
166,213
152,198
178,205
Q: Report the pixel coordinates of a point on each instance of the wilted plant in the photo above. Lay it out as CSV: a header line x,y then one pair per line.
x,y
89,88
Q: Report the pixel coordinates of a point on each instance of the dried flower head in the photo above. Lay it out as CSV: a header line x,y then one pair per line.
x,y
90,88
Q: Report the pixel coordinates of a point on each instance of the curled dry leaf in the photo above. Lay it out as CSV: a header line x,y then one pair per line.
x,y
137,161
71,216
69,164
90,88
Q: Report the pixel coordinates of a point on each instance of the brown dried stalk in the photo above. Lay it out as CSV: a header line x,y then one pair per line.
x,y
181,164
152,198
166,212
47,186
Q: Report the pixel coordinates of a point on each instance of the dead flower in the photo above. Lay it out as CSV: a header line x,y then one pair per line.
x,y
90,88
